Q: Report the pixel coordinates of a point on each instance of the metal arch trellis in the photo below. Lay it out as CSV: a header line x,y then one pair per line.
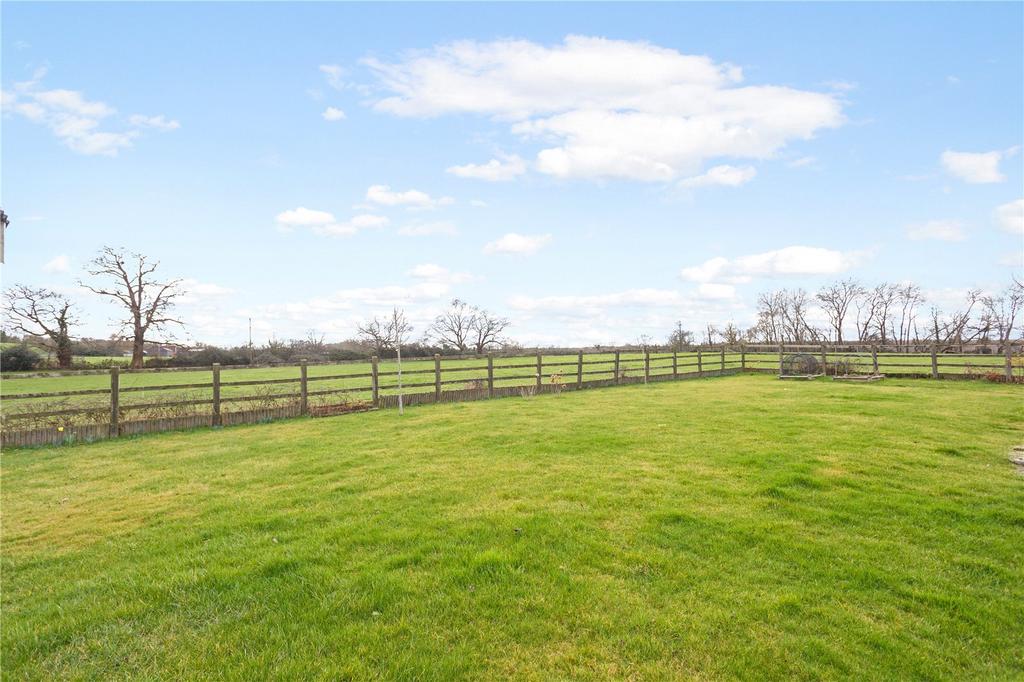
x,y
853,367
800,366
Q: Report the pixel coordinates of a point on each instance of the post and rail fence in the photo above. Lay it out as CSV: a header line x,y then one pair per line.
x,y
50,417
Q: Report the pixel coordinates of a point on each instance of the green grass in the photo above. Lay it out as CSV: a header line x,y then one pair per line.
x,y
738,527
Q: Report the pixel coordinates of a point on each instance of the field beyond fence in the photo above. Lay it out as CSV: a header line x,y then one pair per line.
x,y
53,408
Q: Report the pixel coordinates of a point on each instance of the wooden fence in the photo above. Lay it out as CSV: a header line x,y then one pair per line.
x,y
111,412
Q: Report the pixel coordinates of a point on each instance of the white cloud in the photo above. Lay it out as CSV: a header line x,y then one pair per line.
x,y
57,264
439,228
941,230
976,167
611,108
518,244
478,203
333,73
716,291
728,176
160,122
785,262
333,114
495,170
74,119
592,303
413,198
801,162
1010,216
432,272
952,80
324,223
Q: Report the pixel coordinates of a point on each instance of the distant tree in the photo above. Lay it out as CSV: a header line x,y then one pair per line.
x,y
836,300
454,327
130,281
487,330
374,332
44,313
1000,312
19,358
680,338
910,299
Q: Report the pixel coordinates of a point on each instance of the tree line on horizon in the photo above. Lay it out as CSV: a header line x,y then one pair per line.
x,y
840,312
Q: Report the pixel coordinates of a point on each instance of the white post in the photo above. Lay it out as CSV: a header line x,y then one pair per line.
x,y
401,410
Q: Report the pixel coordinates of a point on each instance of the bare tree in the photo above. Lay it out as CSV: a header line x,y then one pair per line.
x,y
910,298
487,330
730,334
398,329
131,282
874,313
680,338
375,332
836,300
42,312
999,312
956,327
454,327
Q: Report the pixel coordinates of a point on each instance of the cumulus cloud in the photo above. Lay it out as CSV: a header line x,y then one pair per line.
x,y
608,108
436,228
790,261
976,167
940,230
496,170
59,263
727,176
333,73
76,120
324,223
333,114
514,243
383,195
1010,216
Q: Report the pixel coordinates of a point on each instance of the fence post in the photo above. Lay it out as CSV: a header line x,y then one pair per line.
x,y
579,370
115,402
303,388
490,375
743,357
675,364
700,362
1008,350
874,359
824,360
216,394
540,372
375,381
647,365
618,377
781,361
935,363
437,377
723,359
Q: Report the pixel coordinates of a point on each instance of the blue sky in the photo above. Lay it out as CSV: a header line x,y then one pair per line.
x,y
592,171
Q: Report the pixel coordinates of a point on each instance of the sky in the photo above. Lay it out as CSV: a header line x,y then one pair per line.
x,y
593,172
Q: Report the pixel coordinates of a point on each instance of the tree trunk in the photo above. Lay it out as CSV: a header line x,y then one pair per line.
x,y
64,352
137,352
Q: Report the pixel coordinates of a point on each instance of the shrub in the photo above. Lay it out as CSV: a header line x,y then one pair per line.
x,y
19,358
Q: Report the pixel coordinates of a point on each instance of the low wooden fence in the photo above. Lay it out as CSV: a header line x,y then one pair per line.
x,y
36,419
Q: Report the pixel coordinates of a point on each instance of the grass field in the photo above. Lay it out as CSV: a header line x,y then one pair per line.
x,y
734,527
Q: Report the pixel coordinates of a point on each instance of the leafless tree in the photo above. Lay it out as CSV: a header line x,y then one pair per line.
x,y
42,312
874,313
454,327
730,334
910,298
487,329
1000,312
375,332
314,341
131,282
836,300
955,328
680,338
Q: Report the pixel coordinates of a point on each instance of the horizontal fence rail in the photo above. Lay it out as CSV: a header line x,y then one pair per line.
x,y
141,402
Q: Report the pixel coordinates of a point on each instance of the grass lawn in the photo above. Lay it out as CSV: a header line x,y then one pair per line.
x,y
734,527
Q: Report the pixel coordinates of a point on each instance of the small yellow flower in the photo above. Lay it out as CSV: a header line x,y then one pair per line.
x,y
60,428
